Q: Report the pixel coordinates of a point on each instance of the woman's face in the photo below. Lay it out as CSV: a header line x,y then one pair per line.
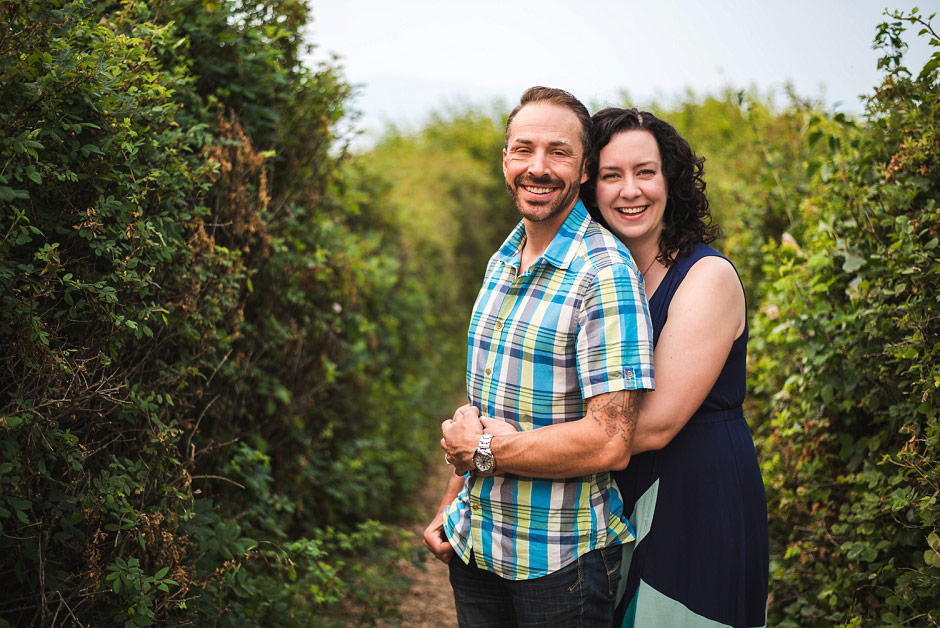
x,y
631,187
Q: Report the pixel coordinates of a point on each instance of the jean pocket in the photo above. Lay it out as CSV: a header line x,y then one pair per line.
x,y
612,557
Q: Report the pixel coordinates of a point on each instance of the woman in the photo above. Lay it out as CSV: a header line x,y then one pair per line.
x,y
696,494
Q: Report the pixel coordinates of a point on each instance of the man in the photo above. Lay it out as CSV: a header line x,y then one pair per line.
x,y
559,347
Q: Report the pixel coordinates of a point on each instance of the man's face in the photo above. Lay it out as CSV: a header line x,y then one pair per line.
x,y
543,161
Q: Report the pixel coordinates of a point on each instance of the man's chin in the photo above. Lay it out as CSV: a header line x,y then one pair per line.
x,y
539,214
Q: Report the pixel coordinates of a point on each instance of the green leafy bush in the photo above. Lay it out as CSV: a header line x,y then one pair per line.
x,y
217,364
847,366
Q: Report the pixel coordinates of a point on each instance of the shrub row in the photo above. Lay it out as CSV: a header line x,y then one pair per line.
x,y
218,365
846,364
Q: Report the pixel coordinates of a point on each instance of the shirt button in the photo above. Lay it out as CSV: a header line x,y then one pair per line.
x,y
499,324
489,371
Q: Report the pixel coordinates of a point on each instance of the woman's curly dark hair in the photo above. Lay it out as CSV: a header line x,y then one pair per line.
x,y
687,219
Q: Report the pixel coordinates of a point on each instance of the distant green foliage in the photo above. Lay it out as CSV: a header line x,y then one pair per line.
x,y
217,365
846,365
449,189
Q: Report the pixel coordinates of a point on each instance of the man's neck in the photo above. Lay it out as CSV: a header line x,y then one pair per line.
x,y
538,235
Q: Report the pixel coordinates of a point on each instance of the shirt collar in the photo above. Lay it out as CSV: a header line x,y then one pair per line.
x,y
563,247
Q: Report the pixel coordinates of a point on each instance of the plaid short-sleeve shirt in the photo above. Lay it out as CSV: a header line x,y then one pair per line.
x,y
573,326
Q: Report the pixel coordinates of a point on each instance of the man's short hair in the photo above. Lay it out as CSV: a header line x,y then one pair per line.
x,y
556,97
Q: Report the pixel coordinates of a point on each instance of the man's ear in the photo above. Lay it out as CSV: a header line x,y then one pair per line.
x,y
504,162
584,172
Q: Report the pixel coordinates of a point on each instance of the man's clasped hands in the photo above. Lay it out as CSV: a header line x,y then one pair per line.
x,y
461,436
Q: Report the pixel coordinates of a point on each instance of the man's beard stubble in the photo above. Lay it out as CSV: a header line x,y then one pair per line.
x,y
551,210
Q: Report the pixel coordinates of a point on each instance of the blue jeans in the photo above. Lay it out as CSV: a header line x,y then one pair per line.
x,y
579,595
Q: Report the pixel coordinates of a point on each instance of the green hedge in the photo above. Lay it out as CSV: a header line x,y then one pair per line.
x,y
217,365
846,365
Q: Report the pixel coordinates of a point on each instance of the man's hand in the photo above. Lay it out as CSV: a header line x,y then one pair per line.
x,y
436,541
434,538
461,437
497,426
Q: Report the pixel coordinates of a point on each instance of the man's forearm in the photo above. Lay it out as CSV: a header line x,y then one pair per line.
x,y
600,441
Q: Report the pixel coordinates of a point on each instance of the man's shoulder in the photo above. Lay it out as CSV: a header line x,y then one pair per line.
x,y
601,249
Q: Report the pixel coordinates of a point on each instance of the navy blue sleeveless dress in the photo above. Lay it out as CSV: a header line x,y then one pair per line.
x,y
698,507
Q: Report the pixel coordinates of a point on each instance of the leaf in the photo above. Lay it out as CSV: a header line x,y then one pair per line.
x,y
932,558
929,67
9,194
852,262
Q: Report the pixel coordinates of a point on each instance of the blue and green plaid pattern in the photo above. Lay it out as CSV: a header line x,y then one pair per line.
x,y
573,326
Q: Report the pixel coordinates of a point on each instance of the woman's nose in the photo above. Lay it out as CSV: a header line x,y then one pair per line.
x,y
629,188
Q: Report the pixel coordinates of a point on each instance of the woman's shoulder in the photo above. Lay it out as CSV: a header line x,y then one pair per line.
x,y
699,251
710,282
704,256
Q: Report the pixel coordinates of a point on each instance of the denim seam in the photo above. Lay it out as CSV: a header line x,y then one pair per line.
x,y
580,594
608,571
580,576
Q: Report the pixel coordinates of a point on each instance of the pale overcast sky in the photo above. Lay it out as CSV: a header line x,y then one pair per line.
x,y
409,57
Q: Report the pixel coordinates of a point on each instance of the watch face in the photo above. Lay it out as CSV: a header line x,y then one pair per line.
x,y
482,462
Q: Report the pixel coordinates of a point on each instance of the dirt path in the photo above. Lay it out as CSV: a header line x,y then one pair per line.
x,y
429,602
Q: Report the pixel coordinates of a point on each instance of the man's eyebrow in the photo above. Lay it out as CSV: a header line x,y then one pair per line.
x,y
553,144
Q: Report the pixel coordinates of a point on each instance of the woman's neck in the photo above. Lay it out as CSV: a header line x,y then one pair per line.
x,y
645,257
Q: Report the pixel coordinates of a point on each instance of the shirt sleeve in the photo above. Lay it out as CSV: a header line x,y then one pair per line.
x,y
615,335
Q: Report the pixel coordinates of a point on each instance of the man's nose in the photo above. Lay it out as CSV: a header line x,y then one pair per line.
x,y
538,165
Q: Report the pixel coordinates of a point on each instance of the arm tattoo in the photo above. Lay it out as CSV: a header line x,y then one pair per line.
x,y
617,412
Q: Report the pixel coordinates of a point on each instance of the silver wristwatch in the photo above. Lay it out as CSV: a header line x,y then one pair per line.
x,y
483,458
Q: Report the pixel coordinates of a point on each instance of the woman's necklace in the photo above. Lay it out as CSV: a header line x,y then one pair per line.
x,y
646,280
